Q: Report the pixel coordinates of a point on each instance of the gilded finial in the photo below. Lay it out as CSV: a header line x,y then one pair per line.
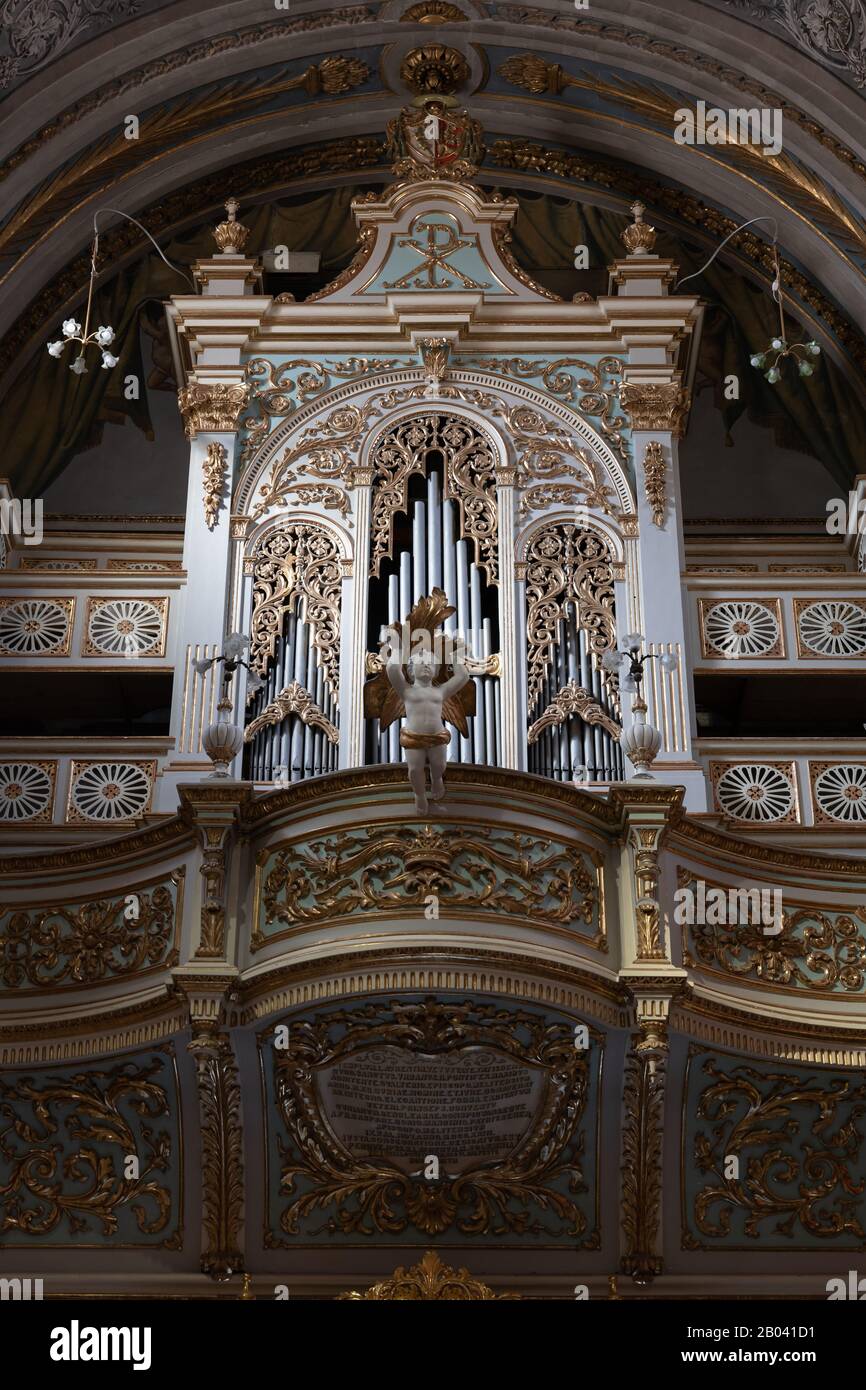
x,y
247,1289
640,237
230,236
612,1291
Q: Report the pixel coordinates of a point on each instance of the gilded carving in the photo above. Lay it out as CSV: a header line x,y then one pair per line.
x,y
642,1142
95,941
231,235
470,461
429,1280
293,699
572,699
214,842
222,1152
639,237
211,409
297,563
277,390
645,842
593,394
393,868
374,1195
64,1139
798,1145
566,566
654,471
655,405
214,480
330,446
822,951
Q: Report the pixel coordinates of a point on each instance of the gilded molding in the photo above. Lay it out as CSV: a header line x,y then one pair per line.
x,y
214,481
654,472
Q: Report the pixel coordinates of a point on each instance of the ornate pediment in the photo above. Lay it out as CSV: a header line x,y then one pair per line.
x,y
432,236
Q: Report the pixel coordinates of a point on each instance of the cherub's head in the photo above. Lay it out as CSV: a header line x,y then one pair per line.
x,y
423,668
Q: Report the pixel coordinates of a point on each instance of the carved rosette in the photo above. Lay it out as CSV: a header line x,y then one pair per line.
x,y
214,480
655,405
654,470
211,409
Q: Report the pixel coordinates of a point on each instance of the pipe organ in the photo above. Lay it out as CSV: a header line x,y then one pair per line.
x,y
435,526
292,728
405,431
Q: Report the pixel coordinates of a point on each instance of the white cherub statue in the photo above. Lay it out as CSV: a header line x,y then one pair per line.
x,y
439,689
424,736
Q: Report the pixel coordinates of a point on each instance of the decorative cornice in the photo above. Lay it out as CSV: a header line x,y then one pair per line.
x,y
211,409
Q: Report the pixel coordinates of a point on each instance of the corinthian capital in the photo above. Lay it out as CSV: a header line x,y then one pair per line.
x,y
655,405
209,409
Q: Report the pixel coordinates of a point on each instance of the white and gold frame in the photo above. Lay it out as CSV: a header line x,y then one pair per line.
x,y
109,791
36,627
838,790
741,629
125,627
830,629
756,792
27,787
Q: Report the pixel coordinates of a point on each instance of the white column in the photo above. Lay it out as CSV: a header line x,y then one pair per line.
x,y
655,408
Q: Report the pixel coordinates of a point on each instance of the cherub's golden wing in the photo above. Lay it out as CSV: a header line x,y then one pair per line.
x,y
381,700
457,707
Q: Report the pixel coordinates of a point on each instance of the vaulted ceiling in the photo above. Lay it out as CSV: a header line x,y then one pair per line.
x,y
241,96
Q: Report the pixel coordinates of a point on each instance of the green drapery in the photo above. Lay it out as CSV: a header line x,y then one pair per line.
x,y
59,414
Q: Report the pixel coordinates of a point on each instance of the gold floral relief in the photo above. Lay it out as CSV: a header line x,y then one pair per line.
x,y
537,1188
428,1281
296,567
470,461
566,566
125,934
390,868
64,1143
797,1138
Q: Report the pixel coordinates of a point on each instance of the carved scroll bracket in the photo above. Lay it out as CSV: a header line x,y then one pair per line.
x,y
645,821
213,811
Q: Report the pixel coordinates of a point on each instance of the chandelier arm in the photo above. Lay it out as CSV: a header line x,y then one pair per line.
x,y
724,243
